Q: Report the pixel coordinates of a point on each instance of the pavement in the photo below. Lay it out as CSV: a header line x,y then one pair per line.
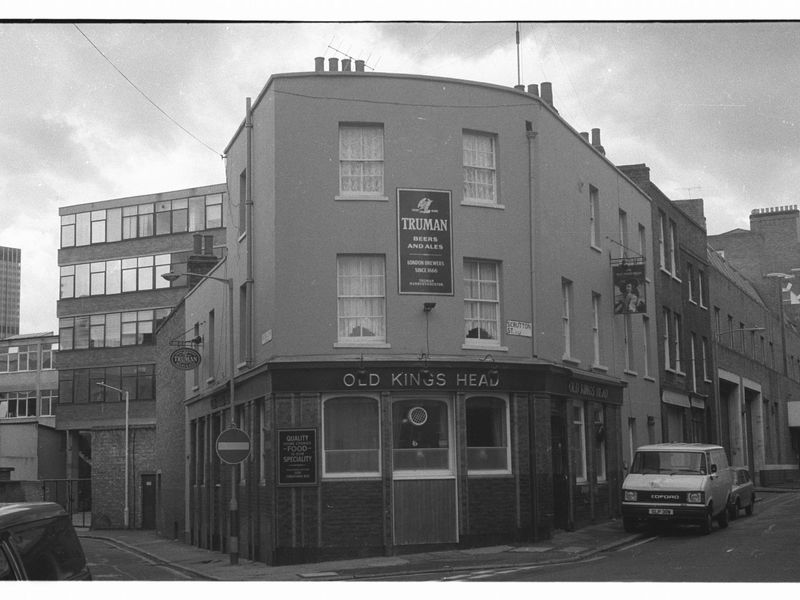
x,y
564,546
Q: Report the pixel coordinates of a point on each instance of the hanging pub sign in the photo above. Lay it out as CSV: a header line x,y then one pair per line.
x,y
629,288
185,358
425,242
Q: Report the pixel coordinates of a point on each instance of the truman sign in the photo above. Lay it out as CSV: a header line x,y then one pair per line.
x,y
425,241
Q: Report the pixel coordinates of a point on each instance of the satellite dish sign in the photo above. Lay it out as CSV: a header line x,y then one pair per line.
x,y
185,358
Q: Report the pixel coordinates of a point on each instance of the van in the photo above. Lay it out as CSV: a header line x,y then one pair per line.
x,y
38,542
677,483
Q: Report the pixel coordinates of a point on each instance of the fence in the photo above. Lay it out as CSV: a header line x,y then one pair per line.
x,y
75,495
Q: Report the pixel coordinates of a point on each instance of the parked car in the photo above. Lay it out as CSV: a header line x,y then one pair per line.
x,y
743,493
677,483
38,542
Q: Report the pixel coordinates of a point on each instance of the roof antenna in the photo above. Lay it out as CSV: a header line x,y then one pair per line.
x,y
519,77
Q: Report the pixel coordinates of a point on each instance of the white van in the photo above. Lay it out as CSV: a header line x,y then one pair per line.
x,y
677,483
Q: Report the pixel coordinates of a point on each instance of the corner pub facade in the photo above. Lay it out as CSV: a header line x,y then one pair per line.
x,y
425,351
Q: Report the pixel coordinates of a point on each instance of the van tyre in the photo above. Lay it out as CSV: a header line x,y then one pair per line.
x,y
733,511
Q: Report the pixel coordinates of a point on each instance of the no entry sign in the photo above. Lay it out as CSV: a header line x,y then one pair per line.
x,y
233,446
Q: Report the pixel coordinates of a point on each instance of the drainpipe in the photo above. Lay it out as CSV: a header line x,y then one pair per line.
x,y
530,134
248,330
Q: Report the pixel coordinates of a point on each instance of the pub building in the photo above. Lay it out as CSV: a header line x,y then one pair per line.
x,y
417,305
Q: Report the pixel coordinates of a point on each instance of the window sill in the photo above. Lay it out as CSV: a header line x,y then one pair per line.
x,y
351,477
571,361
650,379
210,380
360,198
242,236
693,301
674,372
432,474
631,373
241,365
362,345
596,249
490,474
601,368
497,348
479,204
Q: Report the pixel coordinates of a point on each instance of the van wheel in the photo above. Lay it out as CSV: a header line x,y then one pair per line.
x,y
748,510
733,511
629,525
707,523
722,519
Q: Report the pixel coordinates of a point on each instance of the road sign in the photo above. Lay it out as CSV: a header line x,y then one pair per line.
x,y
233,446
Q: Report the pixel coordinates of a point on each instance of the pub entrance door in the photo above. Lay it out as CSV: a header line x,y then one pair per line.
x,y
423,471
560,454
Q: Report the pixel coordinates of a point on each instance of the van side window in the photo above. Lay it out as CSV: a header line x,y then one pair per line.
x,y
6,572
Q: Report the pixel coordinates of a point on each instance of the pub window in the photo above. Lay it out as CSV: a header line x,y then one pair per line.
x,y
488,449
481,303
578,441
599,438
361,302
351,438
421,436
480,170
361,160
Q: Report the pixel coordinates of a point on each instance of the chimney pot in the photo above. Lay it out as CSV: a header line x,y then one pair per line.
x,y
585,135
533,89
319,64
209,244
360,65
197,238
333,64
345,64
519,87
547,92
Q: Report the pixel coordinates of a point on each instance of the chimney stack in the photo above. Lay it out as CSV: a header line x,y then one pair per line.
x,y
596,141
547,92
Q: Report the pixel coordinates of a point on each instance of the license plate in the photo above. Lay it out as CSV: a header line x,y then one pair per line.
x,y
660,511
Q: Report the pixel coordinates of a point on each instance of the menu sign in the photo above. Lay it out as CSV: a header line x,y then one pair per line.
x,y
297,457
425,242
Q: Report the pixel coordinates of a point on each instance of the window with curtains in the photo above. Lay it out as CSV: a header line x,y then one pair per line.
x,y
487,435
361,298
361,160
480,171
351,438
481,303
578,441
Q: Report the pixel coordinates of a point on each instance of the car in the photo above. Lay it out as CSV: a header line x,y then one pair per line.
x,y
743,493
39,543
677,483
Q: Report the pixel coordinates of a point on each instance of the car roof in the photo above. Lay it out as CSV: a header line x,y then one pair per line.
x,y
16,513
691,447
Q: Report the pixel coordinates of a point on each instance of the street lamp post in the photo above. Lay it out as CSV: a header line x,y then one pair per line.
x,y
126,396
233,506
780,277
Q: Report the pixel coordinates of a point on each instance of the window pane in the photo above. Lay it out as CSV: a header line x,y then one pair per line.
x,y
82,229
421,436
113,224
112,330
213,216
351,435
197,213
81,280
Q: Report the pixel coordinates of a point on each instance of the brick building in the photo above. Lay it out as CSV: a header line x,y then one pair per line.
x,y
112,299
401,329
683,325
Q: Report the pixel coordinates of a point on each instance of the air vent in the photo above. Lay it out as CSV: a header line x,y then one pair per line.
x,y
418,416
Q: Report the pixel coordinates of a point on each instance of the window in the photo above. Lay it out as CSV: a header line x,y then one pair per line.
x,y
109,330
115,276
578,445
667,350
662,240
623,234
566,316
48,356
630,349
210,346
361,298
673,265
676,343
67,231
351,437
80,385
421,436
594,217
690,282
596,328
704,350
48,400
693,359
361,160
701,288
600,443
646,345
17,404
642,241
481,303
480,173
488,449
243,202
98,227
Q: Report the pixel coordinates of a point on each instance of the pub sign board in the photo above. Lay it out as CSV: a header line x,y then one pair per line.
x,y
425,242
297,457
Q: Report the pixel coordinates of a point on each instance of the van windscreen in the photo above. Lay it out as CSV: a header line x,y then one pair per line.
x,y
666,462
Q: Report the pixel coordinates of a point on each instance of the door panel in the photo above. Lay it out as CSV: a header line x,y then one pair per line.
x,y
425,511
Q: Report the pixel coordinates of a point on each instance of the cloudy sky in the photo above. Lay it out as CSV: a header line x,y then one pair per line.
x,y
711,107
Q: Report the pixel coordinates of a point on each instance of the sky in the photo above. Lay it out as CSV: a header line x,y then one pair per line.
x,y
710,106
